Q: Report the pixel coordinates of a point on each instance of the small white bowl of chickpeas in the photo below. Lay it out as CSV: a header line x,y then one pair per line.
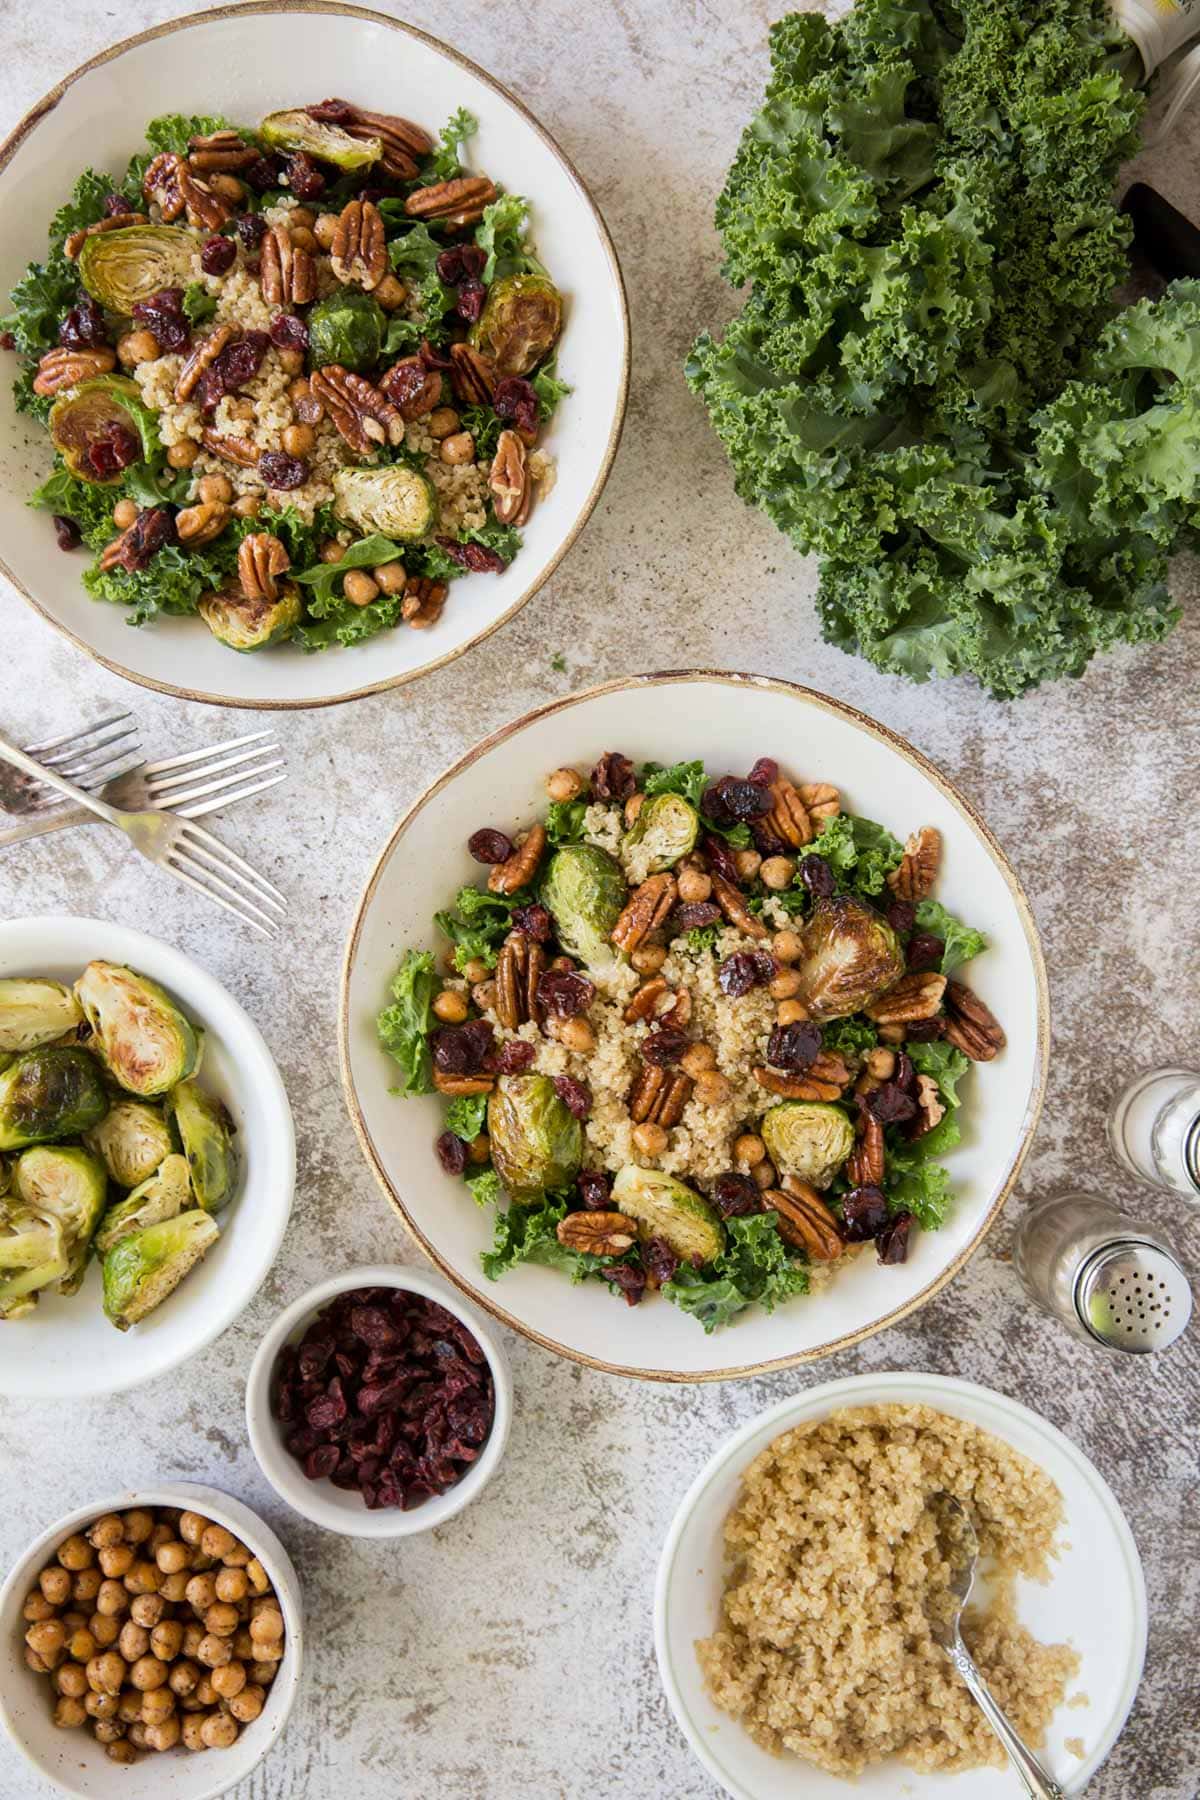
x,y
152,1646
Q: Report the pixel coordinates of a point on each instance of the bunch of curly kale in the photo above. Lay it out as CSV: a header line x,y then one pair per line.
x,y
929,385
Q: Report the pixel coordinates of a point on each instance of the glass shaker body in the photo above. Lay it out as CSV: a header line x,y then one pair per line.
x,y
1154,1129
1054,1240
1111,1279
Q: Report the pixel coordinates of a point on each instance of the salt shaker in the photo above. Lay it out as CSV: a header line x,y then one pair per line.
x,y
1111,1279
1154,1129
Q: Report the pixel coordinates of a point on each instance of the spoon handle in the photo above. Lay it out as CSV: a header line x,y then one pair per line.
x,y
1039,1784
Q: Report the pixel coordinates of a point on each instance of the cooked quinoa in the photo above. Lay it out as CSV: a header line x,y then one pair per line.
x,y
824,1648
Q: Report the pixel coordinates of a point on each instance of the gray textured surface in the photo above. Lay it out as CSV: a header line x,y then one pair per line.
x,y
511,1653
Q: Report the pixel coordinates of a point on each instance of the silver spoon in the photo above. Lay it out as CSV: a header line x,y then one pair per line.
x,y
960,1546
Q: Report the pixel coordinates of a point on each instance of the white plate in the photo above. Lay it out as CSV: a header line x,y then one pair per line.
x,y
728,720
1095,1601
244,62
66,1348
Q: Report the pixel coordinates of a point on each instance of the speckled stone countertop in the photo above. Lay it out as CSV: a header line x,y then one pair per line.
x,y
510,1653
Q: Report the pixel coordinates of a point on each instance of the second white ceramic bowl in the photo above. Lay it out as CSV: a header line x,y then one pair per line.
x,y
344,1510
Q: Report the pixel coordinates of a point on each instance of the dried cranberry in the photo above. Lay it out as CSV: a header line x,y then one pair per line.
x,y
594,1187
217,255
564,993
163,316
474,261
901,915
7,340
114,448
534,921
330,1408
576,1096
630,1279
613,777
744,970
864,1214
67,532
488,846
922,1031
889,1104
817,876
84,327
764,772
516,399
282,472
262,174
892,1241
719,858
434,358
322,1461
288,332
449,266
693,915
514,1056
313,1358
251,229
451,1153
660,1261
731,802
145,538
925,951
114,204
905,1076
461,1049
735,1195
664,1047
240,362
766,841
476,557
794,1047
303,176
332,112
469,304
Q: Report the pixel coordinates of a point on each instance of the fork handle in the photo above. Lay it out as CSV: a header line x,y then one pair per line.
x,y
27,765
1038,1782
32,828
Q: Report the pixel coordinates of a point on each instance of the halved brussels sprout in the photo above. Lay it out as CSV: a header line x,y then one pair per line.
x,y
244,624
398,501
35,1012
585,891
664,830
49,1093
131,1142
141,1035
33,1254
850,955
6,1175
346,328
81,416
295,130
808,1138
119,268
666,1208
520,323
163,1195
206,1134
537,1142
143,1269
63,1182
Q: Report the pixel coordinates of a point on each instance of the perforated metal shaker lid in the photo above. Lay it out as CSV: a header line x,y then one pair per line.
x,y
1133,1295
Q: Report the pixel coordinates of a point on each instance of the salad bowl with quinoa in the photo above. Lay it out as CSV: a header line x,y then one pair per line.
x,y
305,374
743,1027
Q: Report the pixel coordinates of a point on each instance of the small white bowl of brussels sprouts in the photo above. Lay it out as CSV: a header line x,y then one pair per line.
x,y
147,1158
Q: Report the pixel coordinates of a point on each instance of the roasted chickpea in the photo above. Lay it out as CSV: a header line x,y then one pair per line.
x,y
71,1680
73,1621
56,1586
694,886
301,215
82,1645
173,1556
137,347
208,488
776,872
36,1607
119,1750
129,1707
110,1731
576,1034
105,1628
331,551
390,293
443,422
183,454
247,506
243,1645
47,1639
747,863
474,971
263,1672
479,1150
290,361
69,1712
148,1672
106,1672
137,1735
457,449
390,578
484,995
748,1150
786,947
134,1641
116,1560
219,1731
564,784
86,1586
302,238
174,1587
785,986
33,1661
212,1650
164,1735
359,588
764,1174
183,1677
712,1088
298,439
451,1006
325,229
236,1557
790,1012
216,1541
143,1578
201,1592
222,1619
100,1706
157,1704
247,1705
193,1632
112,1598
166,1640
162,1534
124,513
77,1553
206,1693
147,1610
230,1680
192,1728
881,1063
697,1060
648,959
650,1139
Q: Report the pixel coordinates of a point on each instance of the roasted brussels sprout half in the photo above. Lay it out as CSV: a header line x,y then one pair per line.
x,y
251,624
206,1134
664,830
163,1195
851,954
33,1256
584,889
49,1093
398,501
141,1035
119,268
144,1268
131,1142
82,416
346,328
6,1175
666,1208
537,1142
297,131
67,1183
35,1012
807,1138
520,323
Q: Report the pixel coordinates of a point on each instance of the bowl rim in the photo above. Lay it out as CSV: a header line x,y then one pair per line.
x,y
286,1144
891,740
26,125
175,1493
305,1497
877,1388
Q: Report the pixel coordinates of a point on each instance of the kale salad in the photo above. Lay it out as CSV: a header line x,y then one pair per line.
x,y
294,374
703,1037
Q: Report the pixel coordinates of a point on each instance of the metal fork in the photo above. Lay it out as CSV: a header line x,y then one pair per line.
x,y
197,782
90,756
181,846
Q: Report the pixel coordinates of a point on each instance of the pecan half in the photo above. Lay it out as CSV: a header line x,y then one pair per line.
x,y
459,202
915,996
821,802
805,1222
656,1000
659,1095
202,357
518,970
411,387
143,540
205,209
115,222
358,252
931,1113
239,450
864,1165
261,558
473,377
220,150
597,1233
734,907
824,1079
645,912
788,818
463,1084
60,369
971,1026
160,185
423,602
521,867
404,144
914,878
509,480
287,276
363,415
196,525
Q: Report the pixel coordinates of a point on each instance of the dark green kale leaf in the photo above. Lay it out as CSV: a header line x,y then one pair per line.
x,y
527,1234
479,923
446,162
404,1026
465,1116
861,853
549,389
754,1269
198,303
564,821
685,778
962,941
501,232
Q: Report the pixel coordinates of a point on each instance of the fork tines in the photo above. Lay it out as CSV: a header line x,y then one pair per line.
x,y
202,780
89,757
205,863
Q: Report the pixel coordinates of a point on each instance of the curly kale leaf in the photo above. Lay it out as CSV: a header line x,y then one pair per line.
x,y
861,853
479,923
446,161
754,1269
404,1026
962,941
527,1234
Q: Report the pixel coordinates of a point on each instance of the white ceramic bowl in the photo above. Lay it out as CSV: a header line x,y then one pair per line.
x,y
340,1509
66,1349
1095,1600
73,1759
245,61
728,720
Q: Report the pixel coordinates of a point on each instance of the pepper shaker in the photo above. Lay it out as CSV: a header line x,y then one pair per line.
x,y
1154,1129
1111,1279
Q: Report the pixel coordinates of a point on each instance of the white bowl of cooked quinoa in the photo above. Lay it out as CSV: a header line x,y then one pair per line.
x,y
789,1610
476,374
712,1294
